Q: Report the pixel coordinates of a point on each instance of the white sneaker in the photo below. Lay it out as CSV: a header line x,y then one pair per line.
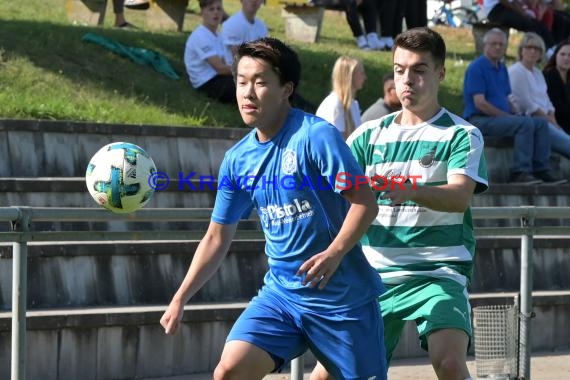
x,y
137,4
374,42
362,43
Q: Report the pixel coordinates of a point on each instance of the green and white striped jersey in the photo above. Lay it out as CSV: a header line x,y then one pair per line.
x,y
411,240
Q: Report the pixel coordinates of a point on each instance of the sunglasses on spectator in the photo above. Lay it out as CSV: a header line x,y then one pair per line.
x,y
533,47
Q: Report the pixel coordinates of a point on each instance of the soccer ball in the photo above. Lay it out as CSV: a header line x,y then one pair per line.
x,y
117,177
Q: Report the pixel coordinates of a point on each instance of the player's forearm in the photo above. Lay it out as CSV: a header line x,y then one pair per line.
x,y
357,221
207,259
445,198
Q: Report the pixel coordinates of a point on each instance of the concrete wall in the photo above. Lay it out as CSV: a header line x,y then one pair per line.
x,y
129,343
72,192
64,275
60,149
119,343
499,156
95,343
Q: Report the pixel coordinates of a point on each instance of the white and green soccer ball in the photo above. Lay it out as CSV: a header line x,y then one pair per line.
x,y
117,177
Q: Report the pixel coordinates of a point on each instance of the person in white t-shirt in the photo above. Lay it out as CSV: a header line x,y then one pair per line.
x,y
241,27
340,107
204,56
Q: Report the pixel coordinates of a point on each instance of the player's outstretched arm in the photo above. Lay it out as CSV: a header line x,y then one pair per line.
x,y
209,254
363,210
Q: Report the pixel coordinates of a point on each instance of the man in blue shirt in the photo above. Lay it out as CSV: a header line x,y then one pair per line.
x,y
314,204
486,93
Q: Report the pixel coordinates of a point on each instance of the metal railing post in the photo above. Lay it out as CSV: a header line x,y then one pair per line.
x,y
526,312
19,294
297,366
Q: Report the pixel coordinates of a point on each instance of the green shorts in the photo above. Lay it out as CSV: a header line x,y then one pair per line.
x,y
433,303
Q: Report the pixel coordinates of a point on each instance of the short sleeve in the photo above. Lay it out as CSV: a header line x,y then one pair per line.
x,y
232,202
332,156
467,157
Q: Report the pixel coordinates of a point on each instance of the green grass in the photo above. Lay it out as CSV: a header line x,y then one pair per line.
x,y
48,72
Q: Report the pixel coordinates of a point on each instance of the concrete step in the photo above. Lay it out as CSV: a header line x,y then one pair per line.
x,y
119,343
71,192
128,342
499,156
498,261
42,148
65,274
505,195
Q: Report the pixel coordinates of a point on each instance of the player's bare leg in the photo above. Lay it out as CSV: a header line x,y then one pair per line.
x,y
448,354
320,373
243,361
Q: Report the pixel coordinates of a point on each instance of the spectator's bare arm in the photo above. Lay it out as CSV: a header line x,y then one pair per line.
x,y
219,65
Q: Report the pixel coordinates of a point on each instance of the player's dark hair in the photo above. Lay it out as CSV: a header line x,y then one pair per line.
x,y
282,58
422,40
207,3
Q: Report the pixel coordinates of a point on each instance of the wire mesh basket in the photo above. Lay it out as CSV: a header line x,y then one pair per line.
x,y
495,332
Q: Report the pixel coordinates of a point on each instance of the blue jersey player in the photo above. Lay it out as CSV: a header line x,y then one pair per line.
x,y
296,170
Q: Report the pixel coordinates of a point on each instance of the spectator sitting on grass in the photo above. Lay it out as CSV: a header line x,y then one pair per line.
x,y
204,56
241,27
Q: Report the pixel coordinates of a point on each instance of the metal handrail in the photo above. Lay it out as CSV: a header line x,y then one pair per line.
x,y
22,217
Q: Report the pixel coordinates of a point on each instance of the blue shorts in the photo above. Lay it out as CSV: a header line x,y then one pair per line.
x,y
349,344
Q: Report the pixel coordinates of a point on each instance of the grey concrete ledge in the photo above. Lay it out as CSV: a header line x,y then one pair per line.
x,y
122,316
206,312
152,248
539,298
517,189
514,242
77,184
250,246
59,126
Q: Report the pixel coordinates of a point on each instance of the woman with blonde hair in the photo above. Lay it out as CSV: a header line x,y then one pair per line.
x,y
529,87
340,107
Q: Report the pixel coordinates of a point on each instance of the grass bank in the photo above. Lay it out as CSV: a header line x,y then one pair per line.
x,y
48,72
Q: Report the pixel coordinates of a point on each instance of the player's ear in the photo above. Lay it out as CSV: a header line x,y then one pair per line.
x,y
287,90
441,73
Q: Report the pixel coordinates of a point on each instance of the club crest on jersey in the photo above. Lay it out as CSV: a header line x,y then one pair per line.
x,y
289,162
428,159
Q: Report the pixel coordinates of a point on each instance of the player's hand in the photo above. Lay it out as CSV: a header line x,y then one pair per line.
x,y
319,269
397,196
172,317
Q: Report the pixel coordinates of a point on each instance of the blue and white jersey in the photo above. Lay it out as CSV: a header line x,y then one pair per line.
x,y
294,181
